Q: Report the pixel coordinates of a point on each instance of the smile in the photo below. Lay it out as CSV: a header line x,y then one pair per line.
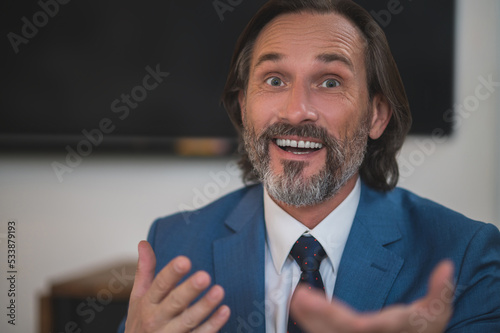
x,y
298,147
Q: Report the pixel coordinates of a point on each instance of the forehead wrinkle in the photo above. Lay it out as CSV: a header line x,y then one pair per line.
x,y
339,38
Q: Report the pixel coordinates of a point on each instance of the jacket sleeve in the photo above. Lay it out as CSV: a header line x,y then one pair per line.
x,y
477,293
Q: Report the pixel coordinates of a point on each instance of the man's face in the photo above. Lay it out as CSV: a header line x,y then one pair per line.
x,y
306,111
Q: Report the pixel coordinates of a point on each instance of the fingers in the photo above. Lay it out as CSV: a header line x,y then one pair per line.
x,y
171,301
216,321
316,314
161,304
167,279
193,316
180,298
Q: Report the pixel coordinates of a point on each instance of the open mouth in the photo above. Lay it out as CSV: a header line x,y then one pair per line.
x,y
298,147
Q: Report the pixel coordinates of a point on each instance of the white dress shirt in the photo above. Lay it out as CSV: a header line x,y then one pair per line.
x,y
282,273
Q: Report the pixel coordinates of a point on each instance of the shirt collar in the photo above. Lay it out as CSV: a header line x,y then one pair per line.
x,y
283,230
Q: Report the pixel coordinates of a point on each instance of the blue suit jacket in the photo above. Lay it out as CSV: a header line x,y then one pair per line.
x,y
396,240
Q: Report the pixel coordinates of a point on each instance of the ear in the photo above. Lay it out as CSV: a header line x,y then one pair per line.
x,y
381,115
241,101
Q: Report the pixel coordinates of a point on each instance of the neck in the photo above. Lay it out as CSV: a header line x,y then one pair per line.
x,y
311,216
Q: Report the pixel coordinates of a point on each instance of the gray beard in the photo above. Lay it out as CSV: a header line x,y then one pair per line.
x,y
344,157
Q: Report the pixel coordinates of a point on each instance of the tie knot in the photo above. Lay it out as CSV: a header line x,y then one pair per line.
x,y
308,253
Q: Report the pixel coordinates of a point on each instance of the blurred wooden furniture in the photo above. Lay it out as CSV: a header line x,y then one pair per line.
x,y
95,302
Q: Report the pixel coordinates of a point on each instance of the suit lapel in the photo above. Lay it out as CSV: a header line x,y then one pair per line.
x,y
243,255
367,270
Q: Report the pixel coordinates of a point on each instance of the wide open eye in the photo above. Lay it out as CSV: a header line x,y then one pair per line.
x,y
275,81
330,83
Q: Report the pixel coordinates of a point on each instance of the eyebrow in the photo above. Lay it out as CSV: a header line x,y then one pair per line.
x,y
273,57
332,57
324,57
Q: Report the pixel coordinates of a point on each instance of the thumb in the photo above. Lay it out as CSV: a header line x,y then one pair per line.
x,y
144,274
441,286
438,304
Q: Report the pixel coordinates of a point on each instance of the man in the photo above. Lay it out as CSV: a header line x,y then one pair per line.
x,y
317,98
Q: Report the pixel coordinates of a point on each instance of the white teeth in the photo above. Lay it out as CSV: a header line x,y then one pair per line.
x,y
299,144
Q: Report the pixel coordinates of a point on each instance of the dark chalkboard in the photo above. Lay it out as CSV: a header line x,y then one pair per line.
x,y
155,69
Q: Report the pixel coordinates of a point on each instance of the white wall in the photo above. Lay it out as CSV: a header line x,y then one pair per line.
x,y
100,211
462,172
97,215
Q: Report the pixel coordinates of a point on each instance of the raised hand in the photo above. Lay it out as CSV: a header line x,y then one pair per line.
x,y
429,314
160,305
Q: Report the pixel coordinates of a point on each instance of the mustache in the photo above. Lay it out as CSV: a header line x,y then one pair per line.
x,y
304,130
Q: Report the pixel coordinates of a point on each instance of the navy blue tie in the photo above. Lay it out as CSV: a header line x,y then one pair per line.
x,y
308,253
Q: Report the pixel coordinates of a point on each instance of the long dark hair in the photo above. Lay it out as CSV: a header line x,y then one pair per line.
x,y
379,169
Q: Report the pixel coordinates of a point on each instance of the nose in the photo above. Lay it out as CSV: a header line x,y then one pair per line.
x,y
297,108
